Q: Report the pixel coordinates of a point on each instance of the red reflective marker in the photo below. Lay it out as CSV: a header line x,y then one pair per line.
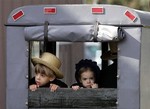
x,y
97,10
49,10
18,15
130,15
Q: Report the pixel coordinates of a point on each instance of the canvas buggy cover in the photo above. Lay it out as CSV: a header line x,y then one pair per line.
x,y
75,23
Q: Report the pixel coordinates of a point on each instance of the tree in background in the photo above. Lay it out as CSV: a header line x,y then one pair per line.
x,y
137,4
133,4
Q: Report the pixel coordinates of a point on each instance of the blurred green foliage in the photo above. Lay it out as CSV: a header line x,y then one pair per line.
x,y
137,4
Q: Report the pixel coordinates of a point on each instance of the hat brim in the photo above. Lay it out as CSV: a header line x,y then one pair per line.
x,y
58,73
109,56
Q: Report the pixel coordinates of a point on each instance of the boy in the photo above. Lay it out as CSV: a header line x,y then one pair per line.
x,y
47,73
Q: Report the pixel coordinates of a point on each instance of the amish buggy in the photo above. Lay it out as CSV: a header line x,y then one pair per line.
x,y
105,24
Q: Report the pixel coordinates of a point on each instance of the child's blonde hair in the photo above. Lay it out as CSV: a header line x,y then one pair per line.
x,y
39,68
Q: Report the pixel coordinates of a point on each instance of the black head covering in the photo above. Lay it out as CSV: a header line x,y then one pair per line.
x,y
87,63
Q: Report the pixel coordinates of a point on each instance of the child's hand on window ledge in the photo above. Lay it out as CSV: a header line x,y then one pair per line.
x,y
75,87
33,87
53,87
94,85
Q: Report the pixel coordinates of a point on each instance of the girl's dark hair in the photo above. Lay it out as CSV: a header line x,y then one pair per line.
x,y
87,64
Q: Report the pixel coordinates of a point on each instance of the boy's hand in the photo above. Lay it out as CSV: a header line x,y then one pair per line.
x,y
53,87
33,87
75,87
94,85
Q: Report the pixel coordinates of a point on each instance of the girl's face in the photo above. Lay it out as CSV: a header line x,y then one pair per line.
x,y
87,79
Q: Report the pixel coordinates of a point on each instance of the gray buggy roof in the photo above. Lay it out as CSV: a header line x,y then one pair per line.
x,y
77,14
74,22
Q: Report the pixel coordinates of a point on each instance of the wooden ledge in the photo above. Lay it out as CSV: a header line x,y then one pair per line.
x,y
67,98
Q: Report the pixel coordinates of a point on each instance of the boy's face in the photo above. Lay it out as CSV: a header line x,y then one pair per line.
x,y
87,79
41,79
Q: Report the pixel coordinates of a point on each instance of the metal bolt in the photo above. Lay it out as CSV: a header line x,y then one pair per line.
x,y
27,49
27,76
26,103
118,76
117,103
118,49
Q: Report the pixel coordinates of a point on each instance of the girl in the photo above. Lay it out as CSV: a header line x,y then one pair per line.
x,y
87,75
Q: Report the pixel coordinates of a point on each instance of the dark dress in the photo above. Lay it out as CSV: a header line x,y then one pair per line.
x,y
55,81
109,76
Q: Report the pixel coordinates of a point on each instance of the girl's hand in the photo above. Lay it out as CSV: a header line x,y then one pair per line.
x,y
53,87
94,85
75,87
33,87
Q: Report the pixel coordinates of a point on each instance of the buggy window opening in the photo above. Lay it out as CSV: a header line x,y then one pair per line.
x,y
39,46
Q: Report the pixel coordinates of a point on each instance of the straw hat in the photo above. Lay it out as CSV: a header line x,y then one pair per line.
x,y
112,53
51,61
